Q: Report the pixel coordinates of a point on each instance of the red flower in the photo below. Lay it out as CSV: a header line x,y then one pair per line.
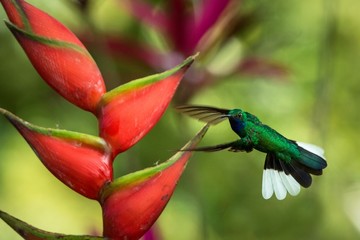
x,y
80,161
56,53
128,112
132,203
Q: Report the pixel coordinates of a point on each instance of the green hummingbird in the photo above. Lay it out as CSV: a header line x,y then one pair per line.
x,y
288,164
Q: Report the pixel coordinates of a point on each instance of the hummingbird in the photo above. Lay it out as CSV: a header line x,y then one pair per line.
x,y
288,164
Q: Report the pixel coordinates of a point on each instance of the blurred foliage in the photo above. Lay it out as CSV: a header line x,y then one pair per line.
x,y
219,196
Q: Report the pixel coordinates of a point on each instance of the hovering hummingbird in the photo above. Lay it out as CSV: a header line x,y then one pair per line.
x,y
288,164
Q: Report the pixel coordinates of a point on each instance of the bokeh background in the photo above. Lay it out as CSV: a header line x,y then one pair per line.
x,y
306,85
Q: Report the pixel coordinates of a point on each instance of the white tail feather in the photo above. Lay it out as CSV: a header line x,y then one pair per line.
x,y
291,185
279,183
267,187
279,188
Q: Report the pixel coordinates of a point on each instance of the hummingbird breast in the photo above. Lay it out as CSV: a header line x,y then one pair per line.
x,y
238,127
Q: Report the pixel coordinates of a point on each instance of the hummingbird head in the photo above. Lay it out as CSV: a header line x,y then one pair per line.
x,y
237,114
237,119
213,116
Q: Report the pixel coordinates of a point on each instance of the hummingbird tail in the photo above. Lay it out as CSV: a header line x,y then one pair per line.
x,y
282,177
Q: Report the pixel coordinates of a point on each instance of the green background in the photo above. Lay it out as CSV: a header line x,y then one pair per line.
x,y
219,195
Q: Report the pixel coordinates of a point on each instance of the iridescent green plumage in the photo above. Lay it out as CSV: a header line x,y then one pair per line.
x,y
284,158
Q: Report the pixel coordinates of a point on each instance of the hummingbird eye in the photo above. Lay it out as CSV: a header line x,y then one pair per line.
x,y
239,116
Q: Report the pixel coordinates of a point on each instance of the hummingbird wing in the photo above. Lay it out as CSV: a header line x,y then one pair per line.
x,y
311,158
210,115
229,146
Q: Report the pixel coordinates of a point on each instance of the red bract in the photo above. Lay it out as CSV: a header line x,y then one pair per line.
x,y
56,53
80,161
132,203
128,112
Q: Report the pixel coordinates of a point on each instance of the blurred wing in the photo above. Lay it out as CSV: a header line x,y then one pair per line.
x,y
228,146
206,114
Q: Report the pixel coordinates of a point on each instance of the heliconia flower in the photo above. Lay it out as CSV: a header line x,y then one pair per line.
x,y
185,28
129,111
56,53
132,203
81,161
214,28
29,232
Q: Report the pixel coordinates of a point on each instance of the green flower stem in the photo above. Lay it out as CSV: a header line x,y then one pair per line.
x,y
29,232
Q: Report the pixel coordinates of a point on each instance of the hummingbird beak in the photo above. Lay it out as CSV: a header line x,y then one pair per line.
x,y
206,114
